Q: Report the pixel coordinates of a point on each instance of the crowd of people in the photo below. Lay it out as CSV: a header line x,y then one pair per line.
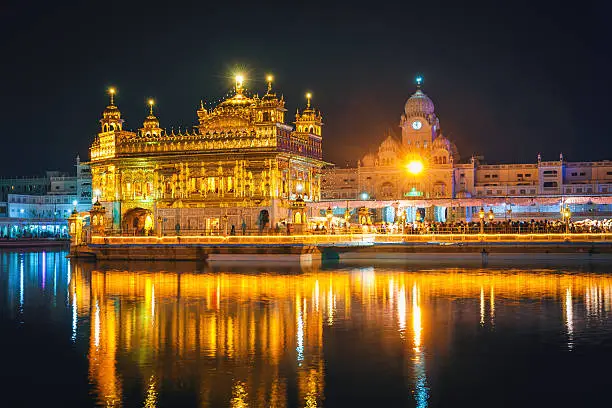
x,y
489,227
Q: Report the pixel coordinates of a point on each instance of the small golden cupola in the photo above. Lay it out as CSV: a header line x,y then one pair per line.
x,y
202,113
111,117
310,120
150,126
269,109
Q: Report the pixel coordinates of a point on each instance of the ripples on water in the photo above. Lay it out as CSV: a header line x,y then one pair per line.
x,y
185,334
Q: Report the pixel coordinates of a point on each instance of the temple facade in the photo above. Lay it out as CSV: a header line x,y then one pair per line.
x,y
422,173
239,167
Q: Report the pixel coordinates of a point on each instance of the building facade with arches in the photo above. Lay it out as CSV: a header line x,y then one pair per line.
x,y
420,171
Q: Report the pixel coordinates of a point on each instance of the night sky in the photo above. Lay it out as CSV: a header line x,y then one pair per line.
x,y
508,81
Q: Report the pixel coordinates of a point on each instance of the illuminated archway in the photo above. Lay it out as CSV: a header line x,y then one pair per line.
x,y
134,221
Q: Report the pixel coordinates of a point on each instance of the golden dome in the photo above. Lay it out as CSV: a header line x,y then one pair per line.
x,y
239,101
150,122
111,112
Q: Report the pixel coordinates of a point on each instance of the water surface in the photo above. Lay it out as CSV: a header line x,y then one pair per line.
x,y
436,332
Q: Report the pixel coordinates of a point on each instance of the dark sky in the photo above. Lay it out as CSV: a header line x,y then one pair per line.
x,y
508,80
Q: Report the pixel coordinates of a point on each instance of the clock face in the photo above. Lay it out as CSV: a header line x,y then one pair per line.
x,y
416,125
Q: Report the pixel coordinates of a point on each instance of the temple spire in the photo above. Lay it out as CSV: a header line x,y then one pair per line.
x,y
111,92
239,83
269,79
151,103
308,98
419,81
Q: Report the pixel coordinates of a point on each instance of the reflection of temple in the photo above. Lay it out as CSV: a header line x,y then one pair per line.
x,y
242,162
212,324
230,335
444,187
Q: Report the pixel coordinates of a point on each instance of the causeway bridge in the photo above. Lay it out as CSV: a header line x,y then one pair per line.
x,y
332,246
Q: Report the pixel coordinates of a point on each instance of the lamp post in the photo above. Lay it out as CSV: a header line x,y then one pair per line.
x,y
329,213
566,214
509,212
23,227
491,217
347,217
481,215
403,220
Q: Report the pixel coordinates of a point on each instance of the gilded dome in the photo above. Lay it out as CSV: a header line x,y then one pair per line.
x,y
238,100
150,122
419,104
111,112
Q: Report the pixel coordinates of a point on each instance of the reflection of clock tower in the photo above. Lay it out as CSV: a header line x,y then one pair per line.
x,y
419,123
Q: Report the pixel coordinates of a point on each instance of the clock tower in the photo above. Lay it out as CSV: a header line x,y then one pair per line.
x,y
418,122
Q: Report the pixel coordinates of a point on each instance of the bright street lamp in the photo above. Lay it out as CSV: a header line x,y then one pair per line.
x,y
415,167
566,214
481,215
329,213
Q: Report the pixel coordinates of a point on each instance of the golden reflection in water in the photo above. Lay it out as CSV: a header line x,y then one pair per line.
x,y
482,306
401,310
416,318
569,318
151,398
239,396
251,323
492,312
421,390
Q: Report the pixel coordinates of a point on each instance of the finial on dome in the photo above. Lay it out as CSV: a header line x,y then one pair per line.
x,y
151,103
201,104
308,98
239,82
269,79
419,81
111,92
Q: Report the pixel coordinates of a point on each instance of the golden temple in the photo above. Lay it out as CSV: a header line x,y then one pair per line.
x,y
239,168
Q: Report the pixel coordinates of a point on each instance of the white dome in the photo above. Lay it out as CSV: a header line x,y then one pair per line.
x,y
441,142
419,104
